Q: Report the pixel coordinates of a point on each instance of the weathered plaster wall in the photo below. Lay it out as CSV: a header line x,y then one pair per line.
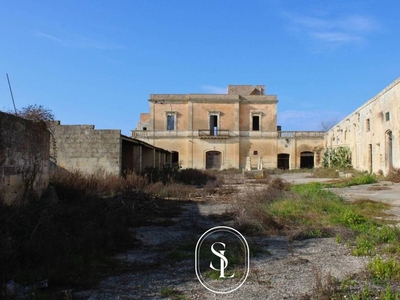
x,y
24,157
372,132
192,137
81,147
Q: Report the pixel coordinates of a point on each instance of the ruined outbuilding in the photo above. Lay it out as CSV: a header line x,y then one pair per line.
x,y
89,150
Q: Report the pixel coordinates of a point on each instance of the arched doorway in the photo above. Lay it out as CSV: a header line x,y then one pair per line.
x,y
283,161
389,150
213,160
306,160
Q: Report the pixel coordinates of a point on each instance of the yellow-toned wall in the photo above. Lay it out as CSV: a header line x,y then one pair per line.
x,y
192,151
158,115
201,113
268,118
235,116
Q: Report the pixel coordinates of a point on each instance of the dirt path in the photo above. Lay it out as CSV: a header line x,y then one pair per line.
x,y
163,261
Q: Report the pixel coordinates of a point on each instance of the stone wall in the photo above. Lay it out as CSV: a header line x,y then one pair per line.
x,y
24,158
81,147
372,132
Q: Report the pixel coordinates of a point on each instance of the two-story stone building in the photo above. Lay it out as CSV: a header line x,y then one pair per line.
x,y
234,130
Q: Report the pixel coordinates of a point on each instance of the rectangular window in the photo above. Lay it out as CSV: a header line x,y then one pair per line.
x,y
368,125
170,122
256,123
255,152
387,116
213,125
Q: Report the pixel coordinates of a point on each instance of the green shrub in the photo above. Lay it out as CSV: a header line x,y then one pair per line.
x,y
388,269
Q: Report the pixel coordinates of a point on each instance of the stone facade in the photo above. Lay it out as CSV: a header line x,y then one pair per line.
x,y
24,158
372,132
89,150
234,130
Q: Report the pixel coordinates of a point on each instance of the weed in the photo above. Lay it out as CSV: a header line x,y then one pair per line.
x,y
356,180
364,246
388,269
338,239
388,294
172,293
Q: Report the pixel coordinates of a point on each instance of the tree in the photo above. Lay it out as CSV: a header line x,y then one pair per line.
x,y
44,116
36,113
328,124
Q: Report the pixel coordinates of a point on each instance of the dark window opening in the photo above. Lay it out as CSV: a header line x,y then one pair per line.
x,y
213,125
255,152
256,123
368,125
387,116
144,128
170,122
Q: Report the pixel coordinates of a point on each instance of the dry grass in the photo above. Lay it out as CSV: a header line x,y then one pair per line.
x,y
393,176
70,240
378,188
325,173
250,208
171,190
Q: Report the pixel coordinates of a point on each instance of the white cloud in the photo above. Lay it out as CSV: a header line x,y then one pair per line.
x,y
78,42
341,30
214,89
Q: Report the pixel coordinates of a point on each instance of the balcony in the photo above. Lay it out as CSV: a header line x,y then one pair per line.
x,y
214,134
225,134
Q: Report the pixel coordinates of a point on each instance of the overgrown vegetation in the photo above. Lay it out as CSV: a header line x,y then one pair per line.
x,y
337,158
169,173
70,238
309,211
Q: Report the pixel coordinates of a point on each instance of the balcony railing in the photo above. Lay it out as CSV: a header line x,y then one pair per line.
x,y
223,134
214,134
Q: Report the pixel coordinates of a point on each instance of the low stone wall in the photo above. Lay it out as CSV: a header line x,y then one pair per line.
x,y
81,147
24,158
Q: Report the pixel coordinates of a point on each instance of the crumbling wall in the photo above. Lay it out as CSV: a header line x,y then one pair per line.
x,y
24,158
81,147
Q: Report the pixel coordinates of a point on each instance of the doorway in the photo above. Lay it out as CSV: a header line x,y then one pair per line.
x,y
213,160
283,161
306,160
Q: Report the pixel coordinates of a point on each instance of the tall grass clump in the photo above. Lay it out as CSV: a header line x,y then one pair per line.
x,y
77,185
393,176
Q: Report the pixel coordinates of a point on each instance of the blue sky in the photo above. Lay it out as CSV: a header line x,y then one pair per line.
x,y
97,62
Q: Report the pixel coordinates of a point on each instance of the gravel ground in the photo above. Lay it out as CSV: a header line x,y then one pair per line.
x,y
287,269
